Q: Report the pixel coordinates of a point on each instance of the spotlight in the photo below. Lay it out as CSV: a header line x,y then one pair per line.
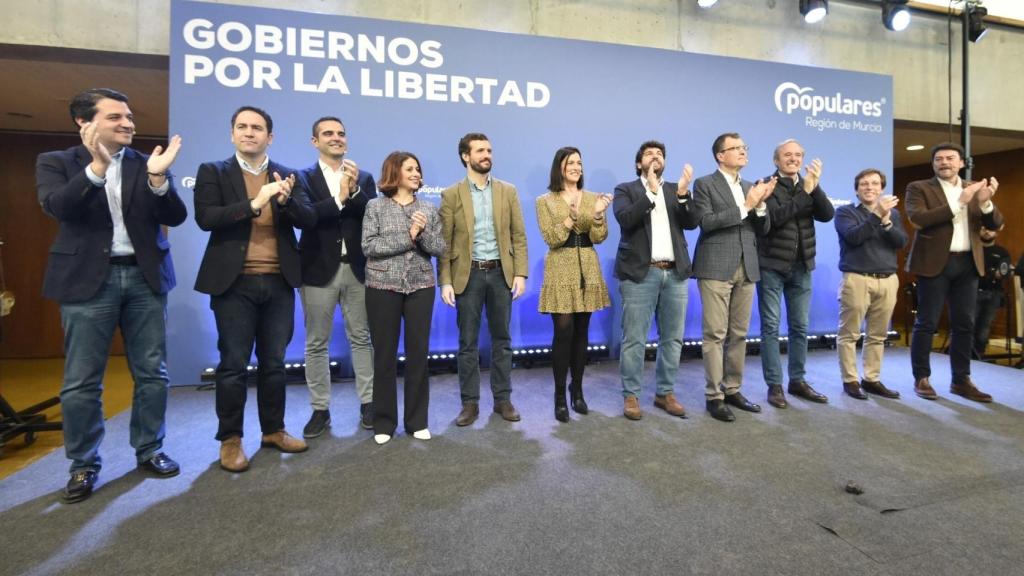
x,y
976,25
895,15
706,3
813,10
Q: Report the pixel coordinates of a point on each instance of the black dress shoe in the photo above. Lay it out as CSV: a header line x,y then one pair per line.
x,y
776,397
161,465
719,411
80,486
736,399
854,390
804,390
579,405
366,416
318,423
561,412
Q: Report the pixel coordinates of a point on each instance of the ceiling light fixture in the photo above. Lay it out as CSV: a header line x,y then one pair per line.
x,y
895,15
813,10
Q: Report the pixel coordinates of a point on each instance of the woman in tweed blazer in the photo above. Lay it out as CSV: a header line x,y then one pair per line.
x,y
400,234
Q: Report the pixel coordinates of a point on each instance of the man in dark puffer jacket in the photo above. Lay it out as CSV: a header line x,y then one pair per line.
x,y
786,256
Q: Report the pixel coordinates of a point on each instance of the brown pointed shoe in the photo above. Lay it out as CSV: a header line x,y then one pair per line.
x,y
879,389
631,408
968,390
232,457
284,442
507,411
669,404
853,390
924,389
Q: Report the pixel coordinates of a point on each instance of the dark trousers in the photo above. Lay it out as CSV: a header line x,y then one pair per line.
x,y
385,311
958,284
989,301
569,349
257,309
486,288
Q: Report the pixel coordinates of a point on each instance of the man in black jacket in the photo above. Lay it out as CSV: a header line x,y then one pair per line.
x,y
786,254
333,271
250,270
110,266
991,295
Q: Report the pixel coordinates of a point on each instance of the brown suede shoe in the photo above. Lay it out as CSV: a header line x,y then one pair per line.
x,y
669,404
468,415
284,442
924,389
507,411
968,390
631,408
232,457
879,389
853,390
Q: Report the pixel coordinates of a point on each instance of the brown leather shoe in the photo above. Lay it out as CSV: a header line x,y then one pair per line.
x,y
669,404
507,411
805,391
776,397
853,390
232,457
284,442
879,389
924,389
968,390
631,408
468,415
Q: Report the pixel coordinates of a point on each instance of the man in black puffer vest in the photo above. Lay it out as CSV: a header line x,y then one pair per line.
x,y
786,255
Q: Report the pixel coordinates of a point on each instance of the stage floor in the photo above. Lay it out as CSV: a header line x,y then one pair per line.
x,y
943,488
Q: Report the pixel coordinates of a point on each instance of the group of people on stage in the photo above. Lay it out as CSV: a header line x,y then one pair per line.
x,y
369,247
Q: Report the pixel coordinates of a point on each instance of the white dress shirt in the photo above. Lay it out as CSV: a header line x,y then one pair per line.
x,y
121,245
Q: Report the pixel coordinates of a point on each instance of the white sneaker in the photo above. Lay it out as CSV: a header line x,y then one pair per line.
x,y
381,438
421,434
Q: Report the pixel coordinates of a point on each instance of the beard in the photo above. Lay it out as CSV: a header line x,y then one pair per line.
x,y
480,169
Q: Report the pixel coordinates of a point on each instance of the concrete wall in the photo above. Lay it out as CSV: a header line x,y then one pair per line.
x,y
852,37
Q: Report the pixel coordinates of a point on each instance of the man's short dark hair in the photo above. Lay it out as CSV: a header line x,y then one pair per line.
x,y
643,148
316,125
83,105
260,111
948,146
867,172
716,147
464,143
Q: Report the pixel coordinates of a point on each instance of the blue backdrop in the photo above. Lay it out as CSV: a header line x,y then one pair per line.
x,y
420,88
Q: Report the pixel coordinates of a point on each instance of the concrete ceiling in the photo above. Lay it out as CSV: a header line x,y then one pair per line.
x,y
42,81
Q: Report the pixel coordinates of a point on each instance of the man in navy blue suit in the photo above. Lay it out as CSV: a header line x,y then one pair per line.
x,y
333,271
653,267
251,205
109,267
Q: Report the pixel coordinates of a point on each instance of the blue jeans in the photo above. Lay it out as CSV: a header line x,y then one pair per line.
x,y
123,300
662,294
257,309
485,289
795,287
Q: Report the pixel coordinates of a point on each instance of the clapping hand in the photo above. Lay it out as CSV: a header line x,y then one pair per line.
x,y
419,222
812,177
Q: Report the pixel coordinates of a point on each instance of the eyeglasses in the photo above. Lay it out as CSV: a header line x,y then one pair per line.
x,y
744,148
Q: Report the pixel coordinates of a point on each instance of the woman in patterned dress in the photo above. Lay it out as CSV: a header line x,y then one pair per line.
x,y
571,221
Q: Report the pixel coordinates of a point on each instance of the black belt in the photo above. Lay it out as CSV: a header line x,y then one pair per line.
x,y
664,264
875,274
124,260
577,240
485,264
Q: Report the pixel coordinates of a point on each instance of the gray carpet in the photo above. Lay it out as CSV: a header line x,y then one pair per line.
x,y
943,489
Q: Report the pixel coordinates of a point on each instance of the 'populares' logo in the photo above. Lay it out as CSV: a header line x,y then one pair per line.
x,y
790,97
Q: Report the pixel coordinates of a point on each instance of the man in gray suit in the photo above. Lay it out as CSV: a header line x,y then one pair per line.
x,y
725,263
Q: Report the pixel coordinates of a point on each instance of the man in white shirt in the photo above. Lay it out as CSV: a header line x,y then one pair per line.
x,y
333,271
948,259
732,215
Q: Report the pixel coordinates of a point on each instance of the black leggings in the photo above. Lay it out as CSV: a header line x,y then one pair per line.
x,y
569,347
